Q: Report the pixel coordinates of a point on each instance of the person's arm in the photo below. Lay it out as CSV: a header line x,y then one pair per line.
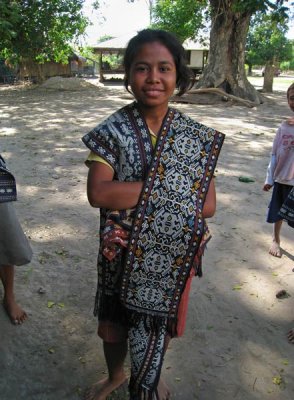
x,y
103,192
210,201
269,180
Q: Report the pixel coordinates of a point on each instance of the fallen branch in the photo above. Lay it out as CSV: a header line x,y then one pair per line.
x,y
222,93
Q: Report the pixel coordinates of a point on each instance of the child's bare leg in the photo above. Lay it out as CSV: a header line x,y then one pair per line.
x,y
14,311
275,249
115,354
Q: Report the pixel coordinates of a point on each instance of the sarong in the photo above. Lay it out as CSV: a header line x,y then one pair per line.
x,y
287,209
145,282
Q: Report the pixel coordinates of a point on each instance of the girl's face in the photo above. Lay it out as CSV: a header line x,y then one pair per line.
x,y
153,76
291,99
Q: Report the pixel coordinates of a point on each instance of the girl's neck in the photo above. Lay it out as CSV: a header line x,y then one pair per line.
x,y
154,118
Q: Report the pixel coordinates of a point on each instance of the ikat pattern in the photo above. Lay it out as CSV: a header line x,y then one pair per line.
x,y
167,230
287,209
123,140
7,183
169,224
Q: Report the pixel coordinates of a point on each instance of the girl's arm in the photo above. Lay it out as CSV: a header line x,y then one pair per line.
x,y
210,201
103,192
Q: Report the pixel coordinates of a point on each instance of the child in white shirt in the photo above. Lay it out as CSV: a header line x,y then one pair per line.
x,y
280,174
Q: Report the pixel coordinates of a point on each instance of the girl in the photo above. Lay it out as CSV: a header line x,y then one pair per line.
x,y
14,247
150,173
280,174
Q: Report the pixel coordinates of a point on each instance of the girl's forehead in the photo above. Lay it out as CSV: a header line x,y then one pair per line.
x,y
152,47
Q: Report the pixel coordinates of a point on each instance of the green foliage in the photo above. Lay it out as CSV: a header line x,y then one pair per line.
x,y
9,18
267,42
181,17
289,65
87,52
40,30
104,38
275,6
113,61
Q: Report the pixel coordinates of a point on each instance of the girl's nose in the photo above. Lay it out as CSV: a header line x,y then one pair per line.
x,y
153,76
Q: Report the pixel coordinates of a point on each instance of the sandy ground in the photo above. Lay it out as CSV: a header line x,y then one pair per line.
x,y
235,345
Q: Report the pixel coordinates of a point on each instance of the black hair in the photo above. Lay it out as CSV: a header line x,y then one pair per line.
x,y
184,75
291,87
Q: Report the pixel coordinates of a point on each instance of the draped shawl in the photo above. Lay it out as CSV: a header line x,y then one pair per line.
x,y
142,286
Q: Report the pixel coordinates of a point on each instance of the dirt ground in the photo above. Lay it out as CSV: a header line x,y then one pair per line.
x,y
235,345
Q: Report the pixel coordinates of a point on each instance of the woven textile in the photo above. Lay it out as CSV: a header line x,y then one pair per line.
x,y
287,209
7,183
144,283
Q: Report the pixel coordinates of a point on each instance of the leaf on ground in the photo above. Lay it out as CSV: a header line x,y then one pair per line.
x,y
51,350
50,304
238,287
60,305
177,379
277,380
246,179
285,362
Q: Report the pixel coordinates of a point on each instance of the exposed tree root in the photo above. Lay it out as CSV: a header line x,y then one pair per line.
x,y
219,92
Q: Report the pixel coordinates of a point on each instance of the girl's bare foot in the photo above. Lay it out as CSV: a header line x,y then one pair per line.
x,y
162,391
101,389
291,336
275,249
16,314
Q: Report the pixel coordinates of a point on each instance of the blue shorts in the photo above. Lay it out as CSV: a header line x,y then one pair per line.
x,y
279,195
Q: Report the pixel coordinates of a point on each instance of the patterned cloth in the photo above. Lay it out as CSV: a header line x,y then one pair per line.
x,y
7,183
287,209
115,236
143,283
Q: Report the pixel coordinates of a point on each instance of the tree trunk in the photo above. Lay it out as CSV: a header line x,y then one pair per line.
x,y
268,79
249,69
226,62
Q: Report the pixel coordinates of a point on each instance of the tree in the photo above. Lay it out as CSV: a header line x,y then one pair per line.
x,y
181,17
229,26
40,30
9,18
230,21
267,45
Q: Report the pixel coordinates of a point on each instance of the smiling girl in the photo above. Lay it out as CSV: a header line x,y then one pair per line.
x,y
150,173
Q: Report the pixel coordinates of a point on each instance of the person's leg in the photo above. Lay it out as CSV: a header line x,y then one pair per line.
x,y
14,311
275,249
115,354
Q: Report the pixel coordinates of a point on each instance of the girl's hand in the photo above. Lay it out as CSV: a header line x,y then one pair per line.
x,y
266,187
290,121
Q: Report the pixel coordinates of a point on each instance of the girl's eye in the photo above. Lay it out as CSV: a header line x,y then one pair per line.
x,y
141,68
164,69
